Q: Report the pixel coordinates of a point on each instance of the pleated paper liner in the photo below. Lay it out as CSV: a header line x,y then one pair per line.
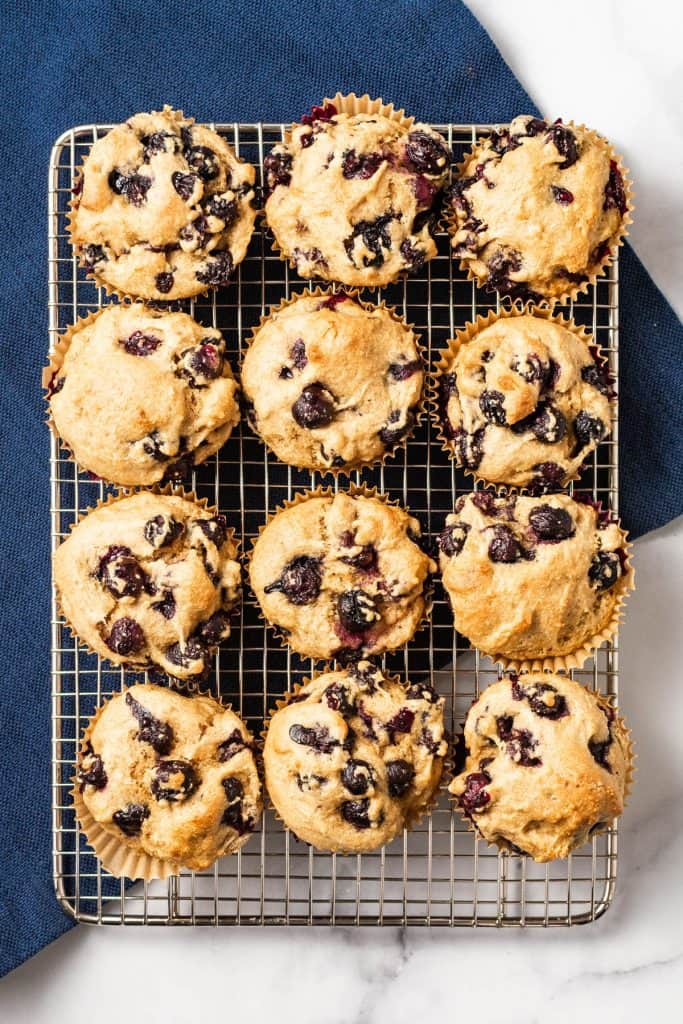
x,y
354,490
111,289
168,490
450,222
618,725
350,103
115,855
56,361
409,822
444,365
417,410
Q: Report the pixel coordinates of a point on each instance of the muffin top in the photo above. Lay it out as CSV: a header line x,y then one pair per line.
x,y
532,578
354,757
351,197
149,580
171,776
547,765
537,208
339,575
333,384
523,402
141,393
163,208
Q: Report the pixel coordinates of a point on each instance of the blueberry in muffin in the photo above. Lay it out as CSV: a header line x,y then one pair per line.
x,y
547,766
140,395
354,758
537,208
340,576
333,383
533,580
170,777
516,394
353,197
163,208
149,580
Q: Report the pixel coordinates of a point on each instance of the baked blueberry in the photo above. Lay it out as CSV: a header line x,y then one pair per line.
x,y
130,818
452,539
140,344
91,771
158,734
400,774
162,530
315,407
174,780
605,570
357,611
317,737
357,777
551,524
356,812
125,637
300,580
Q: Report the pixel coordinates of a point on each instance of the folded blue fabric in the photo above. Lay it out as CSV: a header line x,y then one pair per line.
x,y
66,64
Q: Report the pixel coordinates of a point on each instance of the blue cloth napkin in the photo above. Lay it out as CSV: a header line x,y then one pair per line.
x,y
66,63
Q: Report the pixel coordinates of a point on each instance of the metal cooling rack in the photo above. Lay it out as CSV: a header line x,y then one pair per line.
x,y
438,874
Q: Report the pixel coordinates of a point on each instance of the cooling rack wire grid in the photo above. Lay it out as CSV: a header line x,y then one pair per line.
x,y
439,873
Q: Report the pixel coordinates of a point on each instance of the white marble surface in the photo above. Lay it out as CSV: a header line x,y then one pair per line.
x,y
613,65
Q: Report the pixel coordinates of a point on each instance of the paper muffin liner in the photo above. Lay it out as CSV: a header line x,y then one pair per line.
x,y
577,658
418,410
409,823
462,337
504,847
449,222
355,490
55,362
109,289
190,685
349,103
114,854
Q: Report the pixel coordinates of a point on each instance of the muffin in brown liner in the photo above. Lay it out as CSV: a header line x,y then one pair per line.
x,y
184,788
109,410
342,644
546,765
562,410
535,583
374,249
129,578
337,780
469,223
178,228
330,414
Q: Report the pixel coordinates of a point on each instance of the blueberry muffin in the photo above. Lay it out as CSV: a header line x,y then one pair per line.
x,y
340,576
352,197
533,580
169,777
163,208
140,395
149,580
333,383
548,765
354,758
537,208
522,400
